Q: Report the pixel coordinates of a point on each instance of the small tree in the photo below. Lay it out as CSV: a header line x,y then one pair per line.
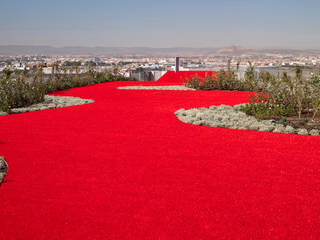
x,y
250,79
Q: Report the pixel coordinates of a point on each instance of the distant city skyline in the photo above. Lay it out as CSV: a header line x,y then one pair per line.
x,y
161,24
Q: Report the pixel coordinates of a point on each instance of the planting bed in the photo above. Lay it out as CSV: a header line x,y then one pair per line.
x,y
53,102
124,167
231,117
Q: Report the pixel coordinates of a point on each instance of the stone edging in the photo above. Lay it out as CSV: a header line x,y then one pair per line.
x,y
51,102
230,117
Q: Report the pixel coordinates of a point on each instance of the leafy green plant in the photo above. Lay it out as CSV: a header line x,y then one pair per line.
x,y
272,95
222,80
250,80
19,90
24,88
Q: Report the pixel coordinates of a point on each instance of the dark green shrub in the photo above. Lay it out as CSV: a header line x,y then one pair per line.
x,y
24,88
272,95
222,80
19,90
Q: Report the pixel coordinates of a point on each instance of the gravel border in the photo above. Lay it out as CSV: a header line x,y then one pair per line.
x,y
175,87
224,116
51,102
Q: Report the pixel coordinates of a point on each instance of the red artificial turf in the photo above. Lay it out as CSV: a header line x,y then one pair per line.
x,y
172,77
125,167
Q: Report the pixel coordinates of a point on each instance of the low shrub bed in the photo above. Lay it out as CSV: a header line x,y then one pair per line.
x,y
224,80
24,88
288,100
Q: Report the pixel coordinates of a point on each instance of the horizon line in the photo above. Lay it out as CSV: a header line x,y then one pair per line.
x,y
171,47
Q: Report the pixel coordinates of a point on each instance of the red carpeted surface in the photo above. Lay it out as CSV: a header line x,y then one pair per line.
x,y
172,77
125,167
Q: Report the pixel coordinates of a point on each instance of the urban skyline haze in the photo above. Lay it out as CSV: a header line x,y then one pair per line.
x,y
203,23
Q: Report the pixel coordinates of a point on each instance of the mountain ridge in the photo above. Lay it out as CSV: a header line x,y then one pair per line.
x,y
140,51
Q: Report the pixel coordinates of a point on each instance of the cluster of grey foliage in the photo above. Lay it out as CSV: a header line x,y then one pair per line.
x,y
173,87
3,169
51,102
230,117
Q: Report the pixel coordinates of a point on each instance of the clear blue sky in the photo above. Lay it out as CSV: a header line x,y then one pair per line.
x,y
162,23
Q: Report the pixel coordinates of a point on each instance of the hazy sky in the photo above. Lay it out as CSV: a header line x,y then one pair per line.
x,y
162,23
